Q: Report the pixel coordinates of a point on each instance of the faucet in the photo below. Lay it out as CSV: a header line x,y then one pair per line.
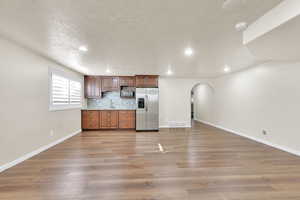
x,y
111,103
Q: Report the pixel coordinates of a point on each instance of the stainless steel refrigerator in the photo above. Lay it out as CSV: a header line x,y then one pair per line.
x,y
147,109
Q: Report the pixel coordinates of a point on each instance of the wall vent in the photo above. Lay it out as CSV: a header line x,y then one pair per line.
x,y
176,124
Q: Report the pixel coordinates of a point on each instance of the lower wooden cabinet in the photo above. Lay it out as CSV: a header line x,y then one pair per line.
x,y
90,119
127,119
108,119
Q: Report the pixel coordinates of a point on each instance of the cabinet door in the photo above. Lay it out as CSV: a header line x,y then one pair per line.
x,y
109,119
90,119
114,119
110,83
139,81
105,120
127,119
151,81
127,81
144,81
92,87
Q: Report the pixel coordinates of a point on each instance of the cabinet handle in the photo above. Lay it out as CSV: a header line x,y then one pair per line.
x,y
146,106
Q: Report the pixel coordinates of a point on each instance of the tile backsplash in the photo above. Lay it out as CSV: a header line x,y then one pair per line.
x,y
111,100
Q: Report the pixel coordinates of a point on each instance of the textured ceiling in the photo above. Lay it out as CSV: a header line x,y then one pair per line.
x,y
134,36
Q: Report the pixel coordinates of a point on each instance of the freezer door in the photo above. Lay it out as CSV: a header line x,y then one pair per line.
x,y
152,108
141,114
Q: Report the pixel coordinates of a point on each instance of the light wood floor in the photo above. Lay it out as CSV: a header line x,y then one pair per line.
x,y
202,163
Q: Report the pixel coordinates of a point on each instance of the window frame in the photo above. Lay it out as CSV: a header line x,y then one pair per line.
x,y
70,77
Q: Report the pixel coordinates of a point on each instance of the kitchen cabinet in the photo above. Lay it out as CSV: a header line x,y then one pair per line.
x,y
127,119
110,83
90,120
127,81
109,119
95,85
92,87
144,81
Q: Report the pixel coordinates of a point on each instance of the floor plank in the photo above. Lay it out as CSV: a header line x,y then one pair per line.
x,y
198,163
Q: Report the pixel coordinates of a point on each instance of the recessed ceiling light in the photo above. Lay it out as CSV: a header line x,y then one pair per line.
x,y
83,48
169,72
188,51
227,69
241,26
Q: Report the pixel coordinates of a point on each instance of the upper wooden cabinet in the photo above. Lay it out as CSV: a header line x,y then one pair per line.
x,y
110,83
146,81
92,87
95,85
127,81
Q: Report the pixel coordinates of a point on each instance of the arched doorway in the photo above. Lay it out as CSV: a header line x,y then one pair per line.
x,y
201,102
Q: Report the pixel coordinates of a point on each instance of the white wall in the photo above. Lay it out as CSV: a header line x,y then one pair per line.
x,y
266,97
175,101
24,117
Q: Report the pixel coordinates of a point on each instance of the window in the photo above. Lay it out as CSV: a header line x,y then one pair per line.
x,y
75,93
65,93
60,90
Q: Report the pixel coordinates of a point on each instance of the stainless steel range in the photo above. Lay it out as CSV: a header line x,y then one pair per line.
x,y
147,117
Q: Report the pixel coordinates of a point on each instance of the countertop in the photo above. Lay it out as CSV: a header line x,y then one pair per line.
x,y
106,109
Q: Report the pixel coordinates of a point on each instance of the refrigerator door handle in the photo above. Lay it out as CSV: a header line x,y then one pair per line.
x,y
146,103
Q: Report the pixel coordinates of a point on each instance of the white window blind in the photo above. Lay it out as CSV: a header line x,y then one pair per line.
x,y
75,92
65,93
60,90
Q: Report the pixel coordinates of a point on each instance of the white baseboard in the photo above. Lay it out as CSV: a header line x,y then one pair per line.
x,y
176,124
286,149
33,153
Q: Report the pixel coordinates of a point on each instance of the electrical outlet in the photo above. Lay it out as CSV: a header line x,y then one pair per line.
x,y
264,132
51,133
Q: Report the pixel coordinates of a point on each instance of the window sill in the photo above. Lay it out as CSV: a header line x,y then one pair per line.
x,y
64,108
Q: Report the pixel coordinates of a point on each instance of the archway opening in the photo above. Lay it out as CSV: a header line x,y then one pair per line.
x,y
201,103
